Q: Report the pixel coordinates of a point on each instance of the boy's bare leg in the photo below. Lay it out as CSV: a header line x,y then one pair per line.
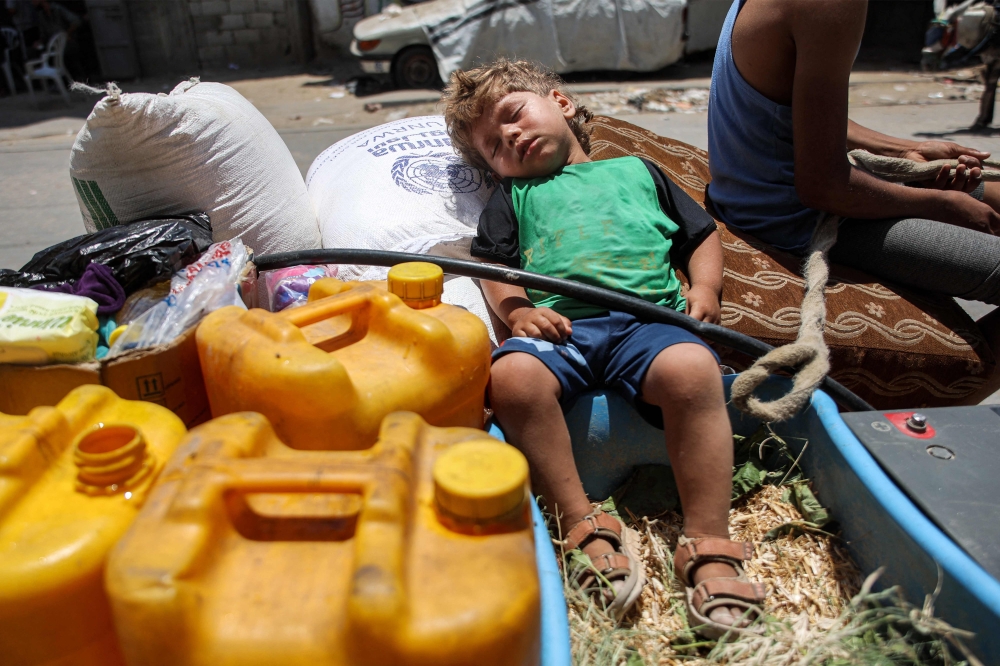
x,y
525,399
685,383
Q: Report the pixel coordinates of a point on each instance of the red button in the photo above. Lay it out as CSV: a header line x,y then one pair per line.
x,y
898,419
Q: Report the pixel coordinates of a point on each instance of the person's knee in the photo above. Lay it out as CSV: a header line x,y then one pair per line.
x,y
520,380
684,376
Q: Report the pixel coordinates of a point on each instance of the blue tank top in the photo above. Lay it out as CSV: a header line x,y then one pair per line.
x,y
751,157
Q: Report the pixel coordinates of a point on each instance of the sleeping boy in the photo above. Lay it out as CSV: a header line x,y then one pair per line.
x,y
619,224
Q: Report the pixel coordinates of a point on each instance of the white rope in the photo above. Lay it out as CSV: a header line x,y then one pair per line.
x,y
111,90
808,355
902,170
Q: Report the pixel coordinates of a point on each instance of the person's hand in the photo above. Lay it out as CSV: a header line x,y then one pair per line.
x,y
542,323
968,174
703,304
928,151
964,211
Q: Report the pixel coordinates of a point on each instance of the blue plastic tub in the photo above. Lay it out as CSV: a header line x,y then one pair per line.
x,y
880,524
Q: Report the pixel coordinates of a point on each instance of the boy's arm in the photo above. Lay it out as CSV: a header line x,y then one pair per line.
x,y
696,243
511,304
705,273
497,241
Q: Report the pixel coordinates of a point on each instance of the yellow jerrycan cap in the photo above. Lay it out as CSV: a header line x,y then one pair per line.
x,y
480,480
418,283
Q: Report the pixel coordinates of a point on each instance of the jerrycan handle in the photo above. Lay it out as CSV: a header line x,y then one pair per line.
x,y
323,324
418,284
356,297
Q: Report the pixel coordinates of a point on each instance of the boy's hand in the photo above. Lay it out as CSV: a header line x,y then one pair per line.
x,y
542,323
703,304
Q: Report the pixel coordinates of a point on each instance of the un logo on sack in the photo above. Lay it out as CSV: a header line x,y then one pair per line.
x,y
437,172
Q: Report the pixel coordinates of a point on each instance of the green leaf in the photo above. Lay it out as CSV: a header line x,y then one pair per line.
x,y
807,504
786,495
746,478
635,660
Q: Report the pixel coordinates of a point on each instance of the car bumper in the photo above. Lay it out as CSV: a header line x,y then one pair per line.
x,y
376,66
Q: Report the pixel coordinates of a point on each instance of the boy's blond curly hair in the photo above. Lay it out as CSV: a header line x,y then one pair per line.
x,y
469,92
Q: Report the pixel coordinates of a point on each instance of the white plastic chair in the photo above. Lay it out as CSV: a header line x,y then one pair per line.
x,y
10,41
49,67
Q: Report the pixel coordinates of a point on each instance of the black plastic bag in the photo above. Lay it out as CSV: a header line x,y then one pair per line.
x,y
138,253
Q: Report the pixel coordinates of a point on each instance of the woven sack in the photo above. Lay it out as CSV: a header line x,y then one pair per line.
x,y
202,148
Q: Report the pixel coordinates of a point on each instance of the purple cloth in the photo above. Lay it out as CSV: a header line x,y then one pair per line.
x,y
98,283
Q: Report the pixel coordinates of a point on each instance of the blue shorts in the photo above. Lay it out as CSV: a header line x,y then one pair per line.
x,y
610,351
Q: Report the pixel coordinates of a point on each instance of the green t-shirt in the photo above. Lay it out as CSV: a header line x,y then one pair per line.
x,y
598,223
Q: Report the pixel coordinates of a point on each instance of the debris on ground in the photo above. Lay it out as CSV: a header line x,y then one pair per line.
x,y
644,100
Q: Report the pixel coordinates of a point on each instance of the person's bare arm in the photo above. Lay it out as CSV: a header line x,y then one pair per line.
x,y
511,304
826,36
705,273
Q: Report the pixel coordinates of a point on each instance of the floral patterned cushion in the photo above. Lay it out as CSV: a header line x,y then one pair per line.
x,y
890,345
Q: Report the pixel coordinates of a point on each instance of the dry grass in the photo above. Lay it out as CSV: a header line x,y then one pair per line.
x,y
811,618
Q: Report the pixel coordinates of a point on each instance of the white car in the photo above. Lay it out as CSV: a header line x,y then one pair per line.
x,y
421,45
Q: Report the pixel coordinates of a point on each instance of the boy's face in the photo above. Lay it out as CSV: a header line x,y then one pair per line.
x,y
525,135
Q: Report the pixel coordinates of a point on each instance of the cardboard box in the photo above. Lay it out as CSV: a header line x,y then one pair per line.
x,y
169,375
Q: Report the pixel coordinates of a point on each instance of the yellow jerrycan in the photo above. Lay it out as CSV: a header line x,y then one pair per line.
x,y
72,479
326,373
418,550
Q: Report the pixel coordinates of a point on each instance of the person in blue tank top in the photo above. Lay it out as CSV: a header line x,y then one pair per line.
x,y
778,134
620,224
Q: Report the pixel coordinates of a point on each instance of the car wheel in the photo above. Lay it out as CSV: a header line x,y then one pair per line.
x,y
415,67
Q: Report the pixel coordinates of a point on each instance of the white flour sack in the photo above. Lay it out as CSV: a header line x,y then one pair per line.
x,y
398,186
202,148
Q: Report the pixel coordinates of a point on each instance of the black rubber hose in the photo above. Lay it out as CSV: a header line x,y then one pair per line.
x,y
594,295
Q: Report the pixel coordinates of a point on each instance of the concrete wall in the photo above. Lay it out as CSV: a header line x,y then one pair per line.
x,y
183,36
164,41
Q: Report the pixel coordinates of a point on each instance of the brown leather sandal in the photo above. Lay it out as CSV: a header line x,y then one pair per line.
x,y
736,591
624,565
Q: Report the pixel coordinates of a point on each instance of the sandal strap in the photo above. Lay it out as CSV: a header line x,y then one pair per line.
x,y
727,588
694,552
612,565
596,525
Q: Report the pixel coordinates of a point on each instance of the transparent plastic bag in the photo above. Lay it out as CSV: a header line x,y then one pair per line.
x,y
206,285
288,287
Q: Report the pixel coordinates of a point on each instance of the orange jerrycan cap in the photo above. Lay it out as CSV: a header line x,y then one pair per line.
x,y
481,480
418,283
111,457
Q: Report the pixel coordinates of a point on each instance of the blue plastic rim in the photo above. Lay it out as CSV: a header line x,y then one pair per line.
x,y
555,619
